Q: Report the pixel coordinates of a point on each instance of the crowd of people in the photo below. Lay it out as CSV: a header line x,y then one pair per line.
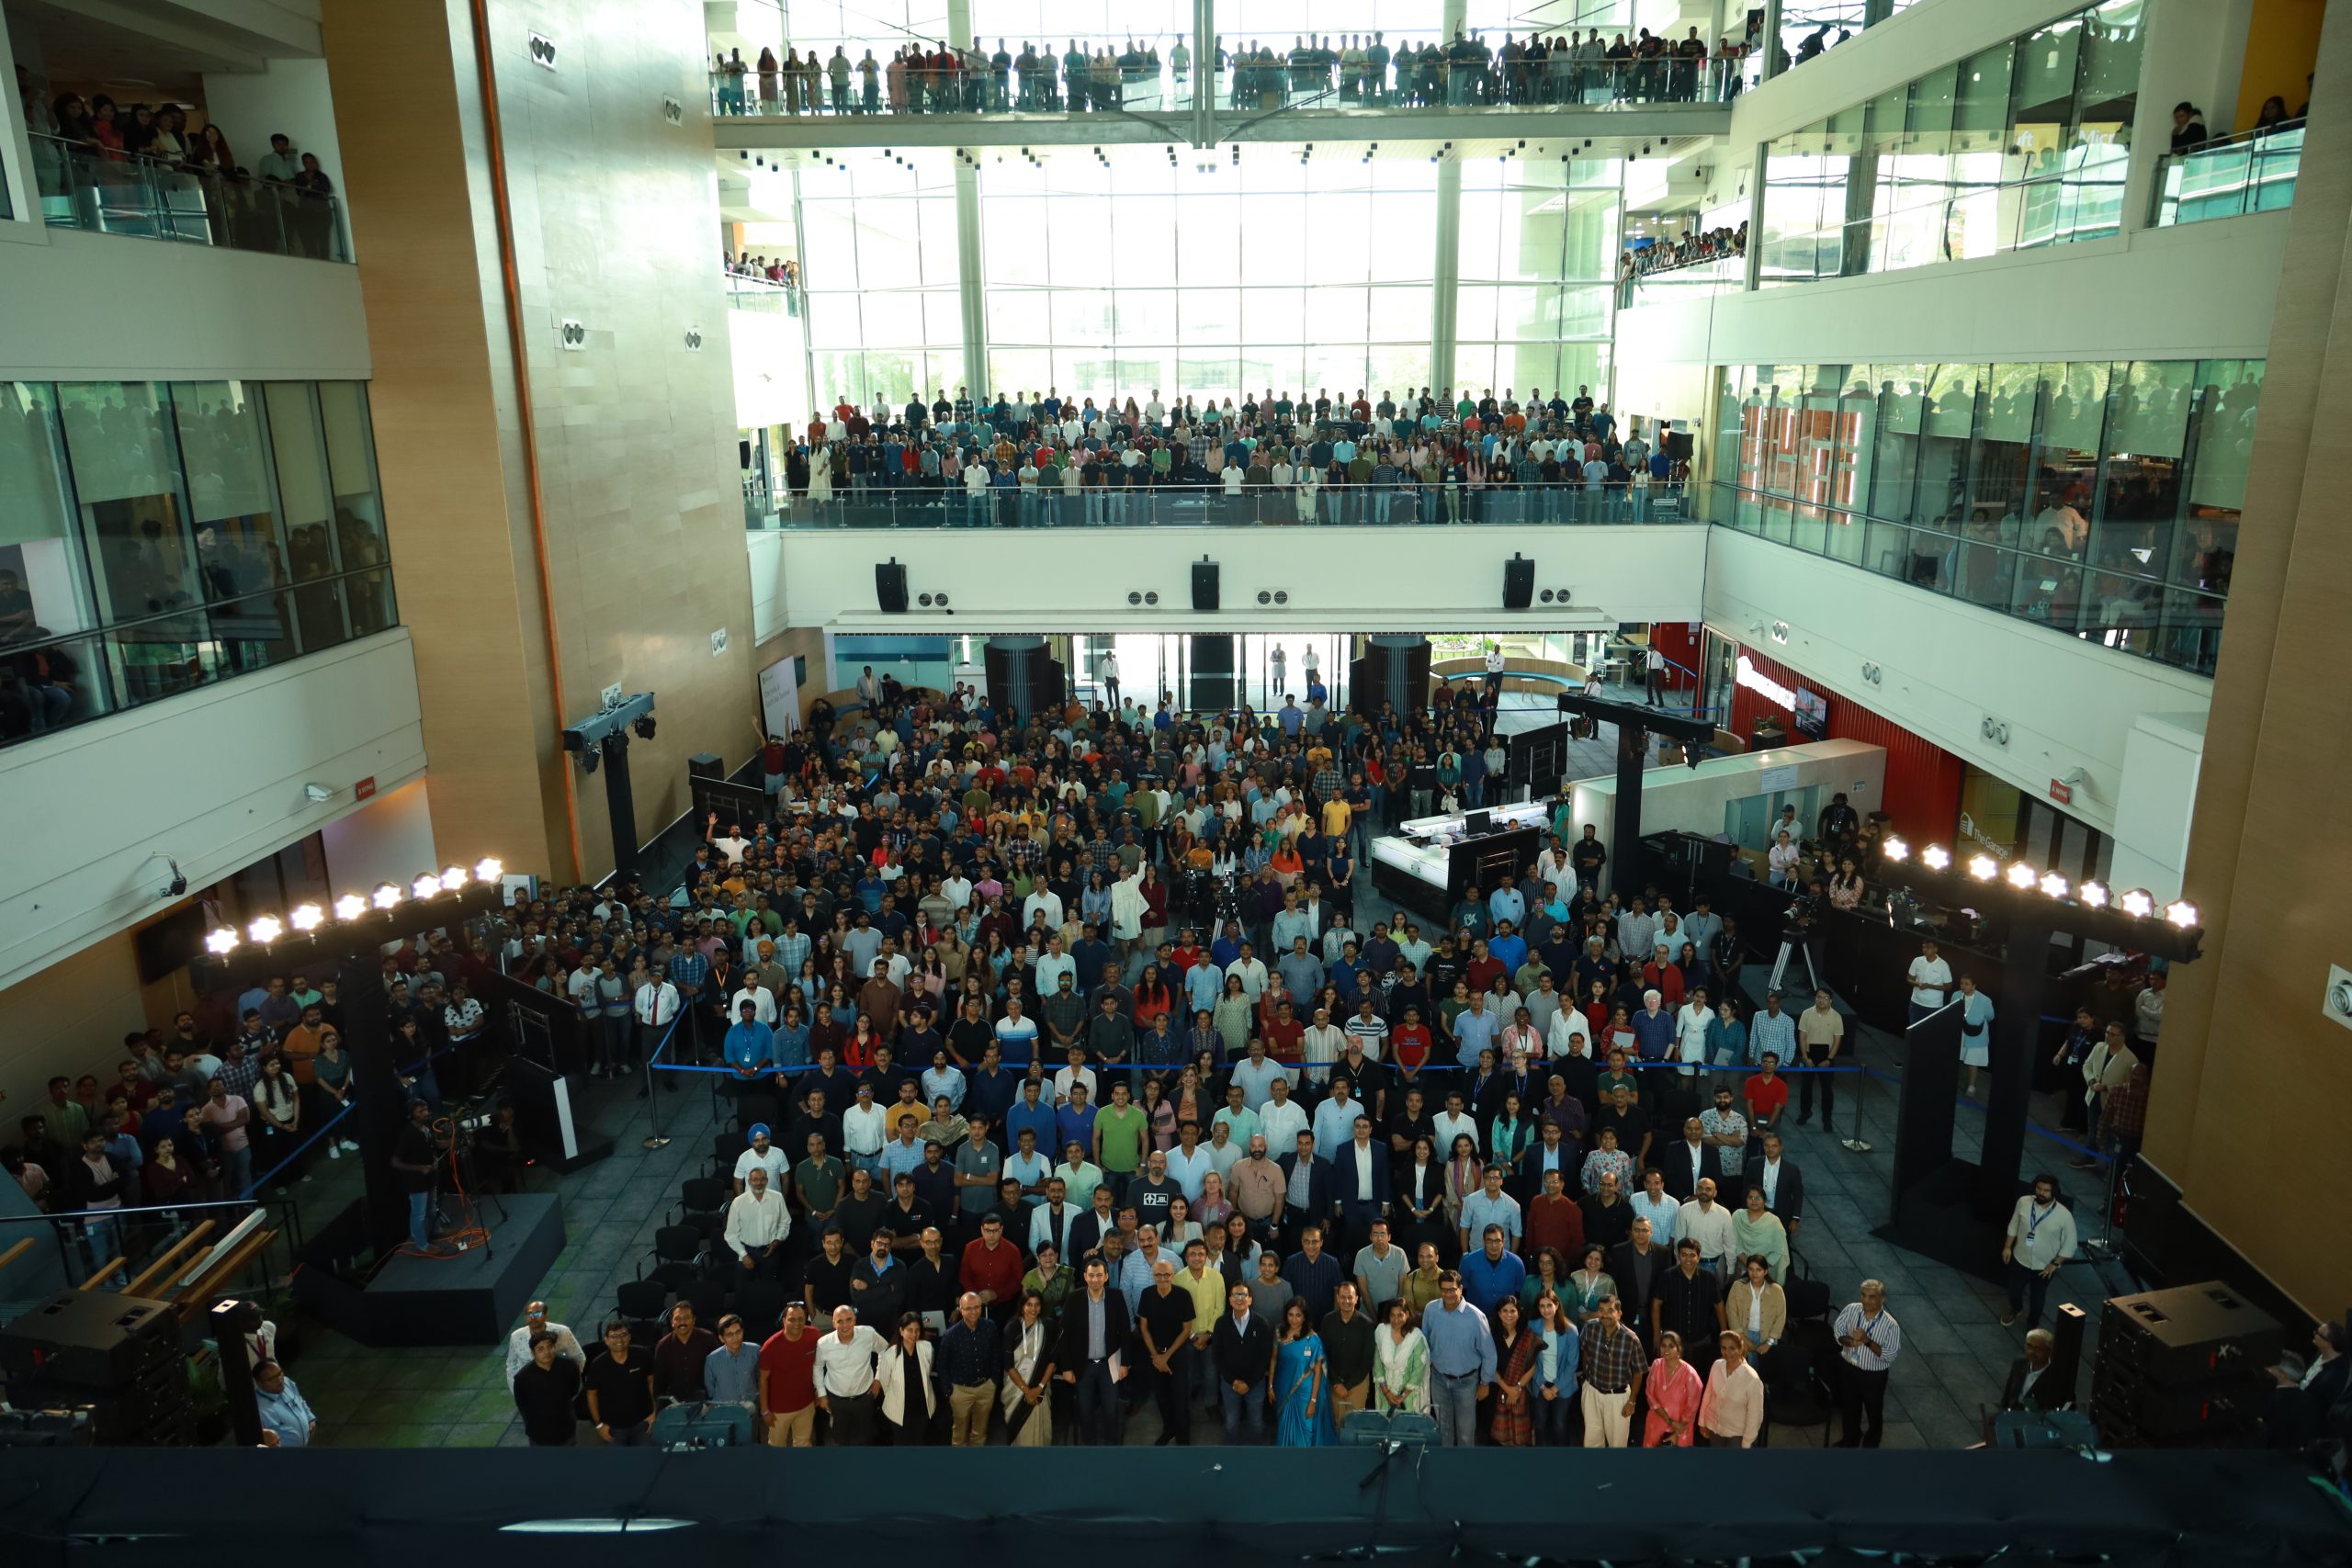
x,y
1358,70
84,148
1039,460
1071,1081
1690,248
783,271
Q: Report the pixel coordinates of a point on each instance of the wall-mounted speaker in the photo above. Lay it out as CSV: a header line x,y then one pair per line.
x,y
890,586
1205,585
1519,582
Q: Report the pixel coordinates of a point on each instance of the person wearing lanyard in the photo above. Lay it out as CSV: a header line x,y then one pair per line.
x,y
2040,1236
1868,1339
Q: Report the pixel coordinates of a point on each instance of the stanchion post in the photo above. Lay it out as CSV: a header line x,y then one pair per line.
x,y
1857,1144
657,1139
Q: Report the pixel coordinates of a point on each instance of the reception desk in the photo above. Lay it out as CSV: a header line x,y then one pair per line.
x,y
1431,862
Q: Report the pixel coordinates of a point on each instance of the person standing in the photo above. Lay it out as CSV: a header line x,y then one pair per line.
x,y
1110,673
1092,1356
971,1359
543,1388
1243,1349
788,1380
844,1377
1731,1415
1868,1339
1931,979
1612,1373
1821,1034
2040,1236
620,1391
1462,1361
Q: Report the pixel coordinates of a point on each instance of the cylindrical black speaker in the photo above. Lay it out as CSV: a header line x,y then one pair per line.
x,y
704,765
1205,585
890,586
1519,582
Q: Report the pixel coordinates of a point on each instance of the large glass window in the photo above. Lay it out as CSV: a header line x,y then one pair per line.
x,y
2022,144
885,322
157,537
2100,500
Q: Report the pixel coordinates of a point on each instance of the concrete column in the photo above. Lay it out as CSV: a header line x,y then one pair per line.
x,y
971,279
1771,45
959,24
2187,45
1445,267
16,182
1204,73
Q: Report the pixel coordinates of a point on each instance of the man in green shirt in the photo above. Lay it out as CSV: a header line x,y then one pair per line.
x,y
817,1184
1120,1128
1237,1116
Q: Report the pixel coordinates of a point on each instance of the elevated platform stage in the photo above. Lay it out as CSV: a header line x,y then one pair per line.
x,y
468,1298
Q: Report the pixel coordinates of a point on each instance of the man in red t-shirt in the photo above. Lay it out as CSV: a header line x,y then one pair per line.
x,y
789,1380
1284,1034
993,1267
1409,1042
1767,1093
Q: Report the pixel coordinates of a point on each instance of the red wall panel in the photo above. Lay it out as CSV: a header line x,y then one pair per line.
x,y
1922,779
1678,640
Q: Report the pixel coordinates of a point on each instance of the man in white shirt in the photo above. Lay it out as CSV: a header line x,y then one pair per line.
x,y
1053,964
863,1127
762,1155
1654,1203
957,888
758,1221
1868,1339
1222,1152
1045,901
1321,1047
1334,1122
1453,1122
1708,1223
657,1007
535,1322
1282,1119
2040,1236
1931,979
845,1378
1252,972
762,1003
1189,1163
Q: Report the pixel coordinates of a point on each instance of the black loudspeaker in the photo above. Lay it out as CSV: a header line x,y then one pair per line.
x,y
1519,582
890,586
706,765
1678,446
2183,1366
1205,585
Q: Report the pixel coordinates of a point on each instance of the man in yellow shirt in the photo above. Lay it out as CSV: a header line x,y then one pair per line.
x,y
1206,1287
1336,815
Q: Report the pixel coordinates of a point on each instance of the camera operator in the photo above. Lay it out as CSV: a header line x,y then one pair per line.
x,y
416,1155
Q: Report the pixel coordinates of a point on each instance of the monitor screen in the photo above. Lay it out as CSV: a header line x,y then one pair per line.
x,y
1812,711
1479,822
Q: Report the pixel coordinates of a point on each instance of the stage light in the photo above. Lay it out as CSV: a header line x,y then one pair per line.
x,y
350,906
1935,857
1895,850
2054,885
219,939
2181,912
452,878
425,886
386,895
487,870
2139,903
2020,876
265,929
1984,868
2093,896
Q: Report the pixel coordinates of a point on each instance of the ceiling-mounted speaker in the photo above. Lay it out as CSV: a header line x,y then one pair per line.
x,y
1519,582
890,586
1204,584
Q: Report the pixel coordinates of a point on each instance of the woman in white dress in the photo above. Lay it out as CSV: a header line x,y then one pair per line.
x,y
1400,1363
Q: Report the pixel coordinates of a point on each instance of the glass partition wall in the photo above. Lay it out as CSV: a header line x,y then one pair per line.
x,y
157,537
2021,145
2099,499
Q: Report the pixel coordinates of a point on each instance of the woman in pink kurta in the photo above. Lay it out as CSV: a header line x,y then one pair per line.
x,y
1674,1388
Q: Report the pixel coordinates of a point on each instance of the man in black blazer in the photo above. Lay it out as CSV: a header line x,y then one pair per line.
x,y
1241,1348
2030,1385
1638,1264
1348,1168
1782,1181
1086,1231
1687,1161
1091,1354
1318,1190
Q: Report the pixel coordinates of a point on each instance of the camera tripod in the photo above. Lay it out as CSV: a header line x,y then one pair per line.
x,y
1791,947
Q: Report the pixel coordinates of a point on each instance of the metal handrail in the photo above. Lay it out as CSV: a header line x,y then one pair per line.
x,y
105,191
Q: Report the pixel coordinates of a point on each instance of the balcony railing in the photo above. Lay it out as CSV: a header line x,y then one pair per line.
x,y
1051,89
2116,601
83,187
49,681
748,293
1196,505
2251,172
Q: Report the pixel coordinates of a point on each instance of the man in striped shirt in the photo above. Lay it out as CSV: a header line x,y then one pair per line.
x,y
1868,1339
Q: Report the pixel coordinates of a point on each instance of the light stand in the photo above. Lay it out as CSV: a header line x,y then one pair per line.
x,y
604,737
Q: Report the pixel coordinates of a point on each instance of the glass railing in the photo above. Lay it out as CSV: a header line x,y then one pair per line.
x,y
156,1248
1200,505
1052,88
51,682
745,292
1697,277
2251,172
2110,598
111,193
1810,28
